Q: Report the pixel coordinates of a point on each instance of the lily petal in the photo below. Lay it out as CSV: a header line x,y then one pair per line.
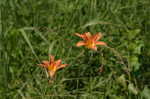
x,y
51,58
100,43
62,66
81,35
58,62
51,73
87,35
96,36
44,64
94,48
80,43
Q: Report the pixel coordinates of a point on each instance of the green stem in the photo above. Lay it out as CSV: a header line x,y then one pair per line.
x,y
121,59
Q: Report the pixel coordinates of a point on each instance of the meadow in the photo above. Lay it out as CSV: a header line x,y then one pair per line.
x,y
30,30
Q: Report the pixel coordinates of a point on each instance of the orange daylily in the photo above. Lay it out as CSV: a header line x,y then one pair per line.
x,y
90,41
52,66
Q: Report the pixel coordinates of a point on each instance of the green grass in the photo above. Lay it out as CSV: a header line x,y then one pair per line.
x,y
32,29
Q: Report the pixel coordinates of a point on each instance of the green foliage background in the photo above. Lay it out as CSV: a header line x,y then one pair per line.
x,y
32,29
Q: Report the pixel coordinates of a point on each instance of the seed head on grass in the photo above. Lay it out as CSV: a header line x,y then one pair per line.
x,y
52,66
90,41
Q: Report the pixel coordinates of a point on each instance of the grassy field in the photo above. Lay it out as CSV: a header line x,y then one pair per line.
x,y
32,29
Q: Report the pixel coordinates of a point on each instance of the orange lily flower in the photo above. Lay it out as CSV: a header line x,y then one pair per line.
x,y
90,41
52,66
